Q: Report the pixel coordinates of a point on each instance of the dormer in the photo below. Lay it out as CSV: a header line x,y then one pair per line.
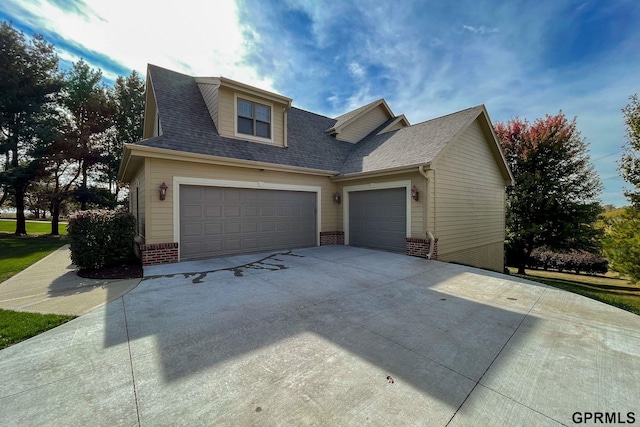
x,y
244,112
356,124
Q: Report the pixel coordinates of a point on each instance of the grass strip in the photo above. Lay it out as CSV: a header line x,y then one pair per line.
x,y
19,252
18,326
33,227
629,303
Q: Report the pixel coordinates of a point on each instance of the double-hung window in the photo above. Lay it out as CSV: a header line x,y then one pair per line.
x,y
254,119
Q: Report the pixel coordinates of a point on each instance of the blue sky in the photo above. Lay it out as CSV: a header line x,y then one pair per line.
x,y
426,58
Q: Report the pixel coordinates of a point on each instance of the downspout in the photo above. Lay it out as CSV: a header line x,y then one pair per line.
x,y
432,239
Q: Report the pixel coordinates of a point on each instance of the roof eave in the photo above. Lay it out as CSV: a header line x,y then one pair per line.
x,y
380,172
164,153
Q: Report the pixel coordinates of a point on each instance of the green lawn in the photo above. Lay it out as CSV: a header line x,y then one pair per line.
x,y
16,254
608,289
33,227
17,326
19,252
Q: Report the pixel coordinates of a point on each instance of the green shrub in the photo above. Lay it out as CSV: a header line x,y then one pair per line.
x,y
101,238
573,260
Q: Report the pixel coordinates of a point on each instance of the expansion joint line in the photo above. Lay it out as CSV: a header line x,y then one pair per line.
x,y
133,376
494,360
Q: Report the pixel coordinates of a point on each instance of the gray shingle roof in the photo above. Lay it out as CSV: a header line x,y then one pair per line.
x,y
187,126
411,145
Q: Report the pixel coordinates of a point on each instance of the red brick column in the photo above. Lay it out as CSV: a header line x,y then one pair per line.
x,y
331,238
420,247
159,253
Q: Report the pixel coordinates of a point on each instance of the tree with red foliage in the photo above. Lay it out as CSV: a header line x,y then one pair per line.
x,y
554,202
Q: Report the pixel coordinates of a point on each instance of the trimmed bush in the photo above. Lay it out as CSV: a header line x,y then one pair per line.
x,y
576,261
101,238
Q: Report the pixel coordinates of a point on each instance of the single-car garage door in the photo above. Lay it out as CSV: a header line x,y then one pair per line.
x,y
219,221
377,219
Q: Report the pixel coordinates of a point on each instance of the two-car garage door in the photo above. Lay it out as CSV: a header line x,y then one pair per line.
x,y
218,221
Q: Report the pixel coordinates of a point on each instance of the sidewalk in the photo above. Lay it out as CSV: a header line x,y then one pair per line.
x,y
51,285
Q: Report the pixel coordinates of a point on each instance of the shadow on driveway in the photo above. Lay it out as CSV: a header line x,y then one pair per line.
x,y
293,325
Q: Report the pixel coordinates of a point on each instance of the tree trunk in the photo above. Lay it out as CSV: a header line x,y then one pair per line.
x,y
21,224
55,217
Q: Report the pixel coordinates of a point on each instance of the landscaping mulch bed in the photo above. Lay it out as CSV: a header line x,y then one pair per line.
x,y
127,271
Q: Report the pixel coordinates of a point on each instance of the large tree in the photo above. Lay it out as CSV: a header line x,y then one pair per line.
x,y
29,82
128,96
90,112
553,203
629,165
622,241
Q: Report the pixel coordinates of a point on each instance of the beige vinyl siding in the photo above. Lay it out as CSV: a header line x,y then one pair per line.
x,y
363,126
469,200
210,94
397,126
226,115
161,212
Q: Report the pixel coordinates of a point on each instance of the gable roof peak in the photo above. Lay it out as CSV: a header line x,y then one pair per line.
x,y
350,116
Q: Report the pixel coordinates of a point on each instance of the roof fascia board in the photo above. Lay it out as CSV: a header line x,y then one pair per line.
x,y
380,172
207,80
505,165
271,96
163,153
124,163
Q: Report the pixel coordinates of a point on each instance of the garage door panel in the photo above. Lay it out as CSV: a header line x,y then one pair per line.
x,y
232,227
268,211
377,219
218,221
211,194
232,195
212,229
212,245
193,229
250,211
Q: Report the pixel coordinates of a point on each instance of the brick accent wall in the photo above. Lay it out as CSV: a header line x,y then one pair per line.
x,y
420,247
331,238
159,253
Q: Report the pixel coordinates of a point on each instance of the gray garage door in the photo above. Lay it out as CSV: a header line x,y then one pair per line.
x,y
220,221
377,219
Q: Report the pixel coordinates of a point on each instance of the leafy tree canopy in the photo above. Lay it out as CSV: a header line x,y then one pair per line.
x,y
622,243
553,203
629,165
29,84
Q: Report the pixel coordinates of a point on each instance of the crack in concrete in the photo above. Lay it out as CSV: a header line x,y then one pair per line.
x,y
238,271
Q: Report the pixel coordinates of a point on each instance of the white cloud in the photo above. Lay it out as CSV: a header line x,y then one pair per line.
x,y
356,70
482,30
191,36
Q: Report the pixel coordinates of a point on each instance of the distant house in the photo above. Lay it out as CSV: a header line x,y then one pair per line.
x,y
245,171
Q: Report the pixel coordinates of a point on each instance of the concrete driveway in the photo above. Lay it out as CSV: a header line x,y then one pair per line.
x,y
330,335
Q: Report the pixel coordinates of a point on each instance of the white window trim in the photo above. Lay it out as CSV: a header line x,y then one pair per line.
x,y
406,184
235,119
259,185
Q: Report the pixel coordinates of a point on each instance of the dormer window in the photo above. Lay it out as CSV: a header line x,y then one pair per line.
x,y
254,119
